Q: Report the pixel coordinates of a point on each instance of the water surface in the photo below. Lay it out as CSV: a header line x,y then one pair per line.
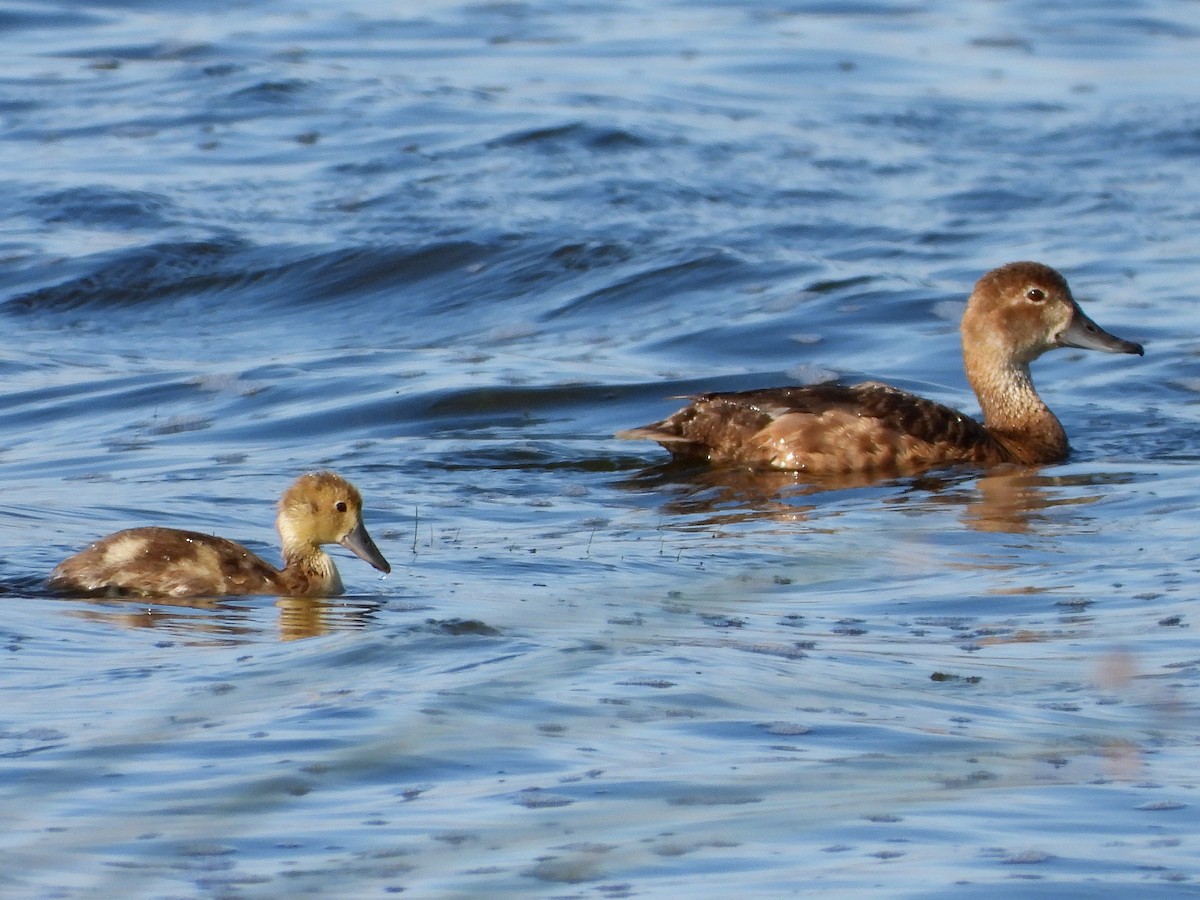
x,y
448,250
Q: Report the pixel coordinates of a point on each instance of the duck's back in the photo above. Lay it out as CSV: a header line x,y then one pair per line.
x,y
166,562
826,429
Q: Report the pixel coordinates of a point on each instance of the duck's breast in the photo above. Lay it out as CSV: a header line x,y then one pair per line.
x,y
312,574
166,562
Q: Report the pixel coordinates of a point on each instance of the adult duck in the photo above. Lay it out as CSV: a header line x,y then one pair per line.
x,y
1015,314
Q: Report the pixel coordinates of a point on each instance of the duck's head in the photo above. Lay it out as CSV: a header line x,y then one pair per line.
x,y
1020,310
324,508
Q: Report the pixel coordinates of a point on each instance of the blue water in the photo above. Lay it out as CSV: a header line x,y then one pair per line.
x,y
448,250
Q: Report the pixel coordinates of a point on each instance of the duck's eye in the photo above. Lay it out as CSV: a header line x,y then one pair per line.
x,y
340,506
1037,295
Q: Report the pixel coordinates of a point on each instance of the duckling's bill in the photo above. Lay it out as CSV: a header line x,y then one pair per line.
x,y
360,544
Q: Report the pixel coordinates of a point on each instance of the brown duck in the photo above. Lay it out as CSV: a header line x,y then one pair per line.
x,y
319,508
1015,314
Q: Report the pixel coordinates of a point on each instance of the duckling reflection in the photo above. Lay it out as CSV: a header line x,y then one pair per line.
x,y
221,621
319,508
202,620
1015,314
306,617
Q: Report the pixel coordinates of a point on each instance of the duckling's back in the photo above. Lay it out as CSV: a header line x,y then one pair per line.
x,y
156,561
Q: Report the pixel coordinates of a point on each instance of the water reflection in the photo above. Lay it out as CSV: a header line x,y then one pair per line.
x,y
305,617
725,496
1014,500
226,621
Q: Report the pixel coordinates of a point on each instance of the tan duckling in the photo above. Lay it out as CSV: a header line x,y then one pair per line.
x,y
319,508
1015,314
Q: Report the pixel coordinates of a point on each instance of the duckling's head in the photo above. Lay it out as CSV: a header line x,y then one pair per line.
x,y
1020,310
324,508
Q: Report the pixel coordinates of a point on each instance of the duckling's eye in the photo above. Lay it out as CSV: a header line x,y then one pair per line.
x,y
340,506
1037,295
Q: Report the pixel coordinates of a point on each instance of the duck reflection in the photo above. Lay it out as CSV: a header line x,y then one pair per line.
x,y
1012,499
1016,502
714,497
221,620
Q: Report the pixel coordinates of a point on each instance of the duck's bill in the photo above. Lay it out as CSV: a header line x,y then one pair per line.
x,y
360,544
1085,334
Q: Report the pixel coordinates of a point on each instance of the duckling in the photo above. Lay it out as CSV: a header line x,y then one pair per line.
x,y
319,508
1016,313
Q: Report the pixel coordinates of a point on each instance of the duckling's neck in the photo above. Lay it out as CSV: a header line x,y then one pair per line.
x,y
1016,416
307,569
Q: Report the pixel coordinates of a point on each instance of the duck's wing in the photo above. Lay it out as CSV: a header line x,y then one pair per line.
x,y
823,429
167,562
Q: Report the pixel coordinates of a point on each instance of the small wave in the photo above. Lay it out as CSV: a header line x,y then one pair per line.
x,y
282,91
16,19
107,207
142,275
663,281
575,134
162,273
159,51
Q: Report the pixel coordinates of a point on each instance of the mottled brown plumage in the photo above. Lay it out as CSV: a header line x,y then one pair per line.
x,y
319,508
1015,314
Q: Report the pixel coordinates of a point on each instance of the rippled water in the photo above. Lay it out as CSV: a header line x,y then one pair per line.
x,y
448,250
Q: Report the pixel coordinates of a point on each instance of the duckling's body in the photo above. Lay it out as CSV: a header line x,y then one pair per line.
x,y
1015,314
319,508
